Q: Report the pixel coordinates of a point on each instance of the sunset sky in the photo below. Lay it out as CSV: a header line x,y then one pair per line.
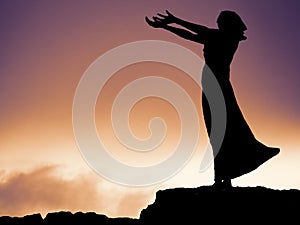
x,y
46,46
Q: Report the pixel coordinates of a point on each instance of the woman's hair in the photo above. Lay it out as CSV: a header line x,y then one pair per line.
x,y
229,20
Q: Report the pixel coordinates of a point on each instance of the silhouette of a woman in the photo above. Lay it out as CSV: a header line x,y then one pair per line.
x,y
240,152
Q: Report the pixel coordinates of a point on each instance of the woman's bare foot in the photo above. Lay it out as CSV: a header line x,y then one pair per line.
x,y
222,184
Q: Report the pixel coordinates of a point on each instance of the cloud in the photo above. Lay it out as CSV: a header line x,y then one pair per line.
x,y
137,200
43,190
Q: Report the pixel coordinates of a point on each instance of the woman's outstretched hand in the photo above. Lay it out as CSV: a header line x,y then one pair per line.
x,y
166,19
161,20
154,23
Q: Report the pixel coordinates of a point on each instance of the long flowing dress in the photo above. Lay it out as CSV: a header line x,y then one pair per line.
x,y
240,152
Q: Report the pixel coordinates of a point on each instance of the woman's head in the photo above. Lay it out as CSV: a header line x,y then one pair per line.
x,y
230,21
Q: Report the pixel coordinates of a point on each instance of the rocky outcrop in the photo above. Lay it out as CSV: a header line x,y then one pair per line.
x,y
189,206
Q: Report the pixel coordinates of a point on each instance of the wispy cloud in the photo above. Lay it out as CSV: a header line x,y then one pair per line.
x,y
43,190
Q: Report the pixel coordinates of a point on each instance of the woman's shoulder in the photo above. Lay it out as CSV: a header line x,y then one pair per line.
x,y
213,32
211,35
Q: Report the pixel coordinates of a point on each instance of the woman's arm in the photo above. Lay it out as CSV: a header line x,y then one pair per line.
x,y
170,18
199,29
180,32
196,32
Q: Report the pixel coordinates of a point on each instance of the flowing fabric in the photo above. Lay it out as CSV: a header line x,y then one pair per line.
x,y
240,152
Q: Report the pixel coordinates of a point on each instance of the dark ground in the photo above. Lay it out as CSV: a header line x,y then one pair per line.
x,y
239,205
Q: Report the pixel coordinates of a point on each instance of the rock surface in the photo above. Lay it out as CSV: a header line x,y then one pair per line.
x,y
238,205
